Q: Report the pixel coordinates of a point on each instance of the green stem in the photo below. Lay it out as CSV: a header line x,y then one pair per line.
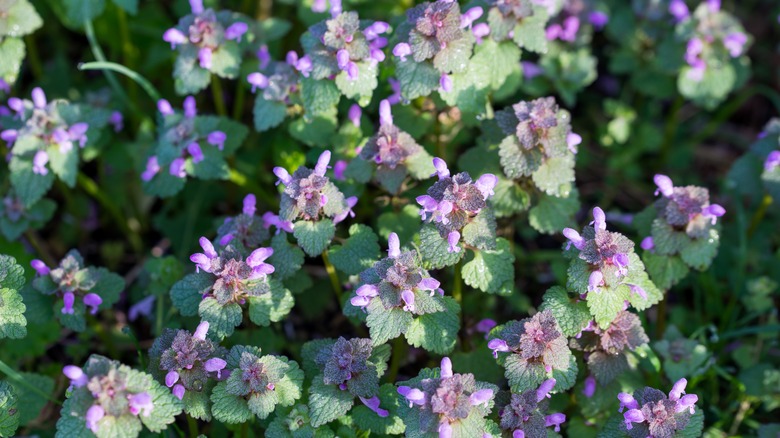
x,y
129,332
457,287
159,317
93,190
759,215
334,276
112,66
33,57
218,95
660,327
399,352
238,105
97,52
192,424
670,131
18,378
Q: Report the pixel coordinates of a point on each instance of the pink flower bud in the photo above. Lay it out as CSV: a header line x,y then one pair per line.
x,y
68,298
408,298
394,246
485,184
94,414
178,391
201,330
38,98
283,175
595,281
164,107
446,367
481,397
171,378
665,186
236,30
590,387
453,238
322,163
204,57
555,420
373,404
152,168
402,50
441,168
544,389
40,267
175,37
647,243
75,375
93,301
445,82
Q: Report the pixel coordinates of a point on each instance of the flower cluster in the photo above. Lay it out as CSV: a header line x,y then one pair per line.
x,y
570,19
237,278
181,146
310,196
442,402
245,230
652,414
713,37
434,31
606,349
525,413
504,18
399,282
259,383
453,202
209,39
106,392
338,46
393,151
187,362
78,286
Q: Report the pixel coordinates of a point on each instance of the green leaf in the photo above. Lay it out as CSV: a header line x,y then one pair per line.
x,y
12,53
530,32
666,239
11,273
481,231
700,253
516,161
315,131
80,11
228,408
523,375
454,57
271,307
9,414
359,251
235,132
188,292
606,303
405,223
13,324
213,166
314,236
327,402
197,404
129,6
189,77
417,79
362,87
694,427
434,249
19,19
385,324
718,81
226,60
492,271
555,176
222,319
108,285
262,404
572,316
164,185
666,271
166,408
268,114
29,186
366,419
287,259
319,96
551,215
436,332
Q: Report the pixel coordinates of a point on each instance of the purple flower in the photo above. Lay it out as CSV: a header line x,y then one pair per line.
x,y
635,289
140,403
396,87
215,365
713,5
413,395
470,16
498,345
264,56
445,429
217,138
429,284
687,402
408,298
256,261
647,243
351,202
270,219
633,416
17,105
178,391
402,50
441,168
713,211
772,161
68,298
203,260
599,219
446,367
171,378
117,120
319,6
75,375
201,330
574,238
143,307
531,69
9,136
485,184
236,30
78,132
480,30
190,107
355,112
570,27
598,19
485,326
480,397
152,168
590,387
39,163
177,168
322,163
735,43
250,205
164,107
452,241
38,98
94,414
553,32
93,301
555,420
595,281
40,267
363,295
627,401
385,113
175,37
665,185
679,10
258,80
621,261
196,152
375,29
335,7
196,6
393,246
544,389
373,404
283,175
204,57
445,82
304,66
572,141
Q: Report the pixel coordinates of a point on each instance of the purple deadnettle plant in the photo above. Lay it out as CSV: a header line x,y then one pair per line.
x,y
105,395
651,413
441,403
524,414
189,364
207,42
